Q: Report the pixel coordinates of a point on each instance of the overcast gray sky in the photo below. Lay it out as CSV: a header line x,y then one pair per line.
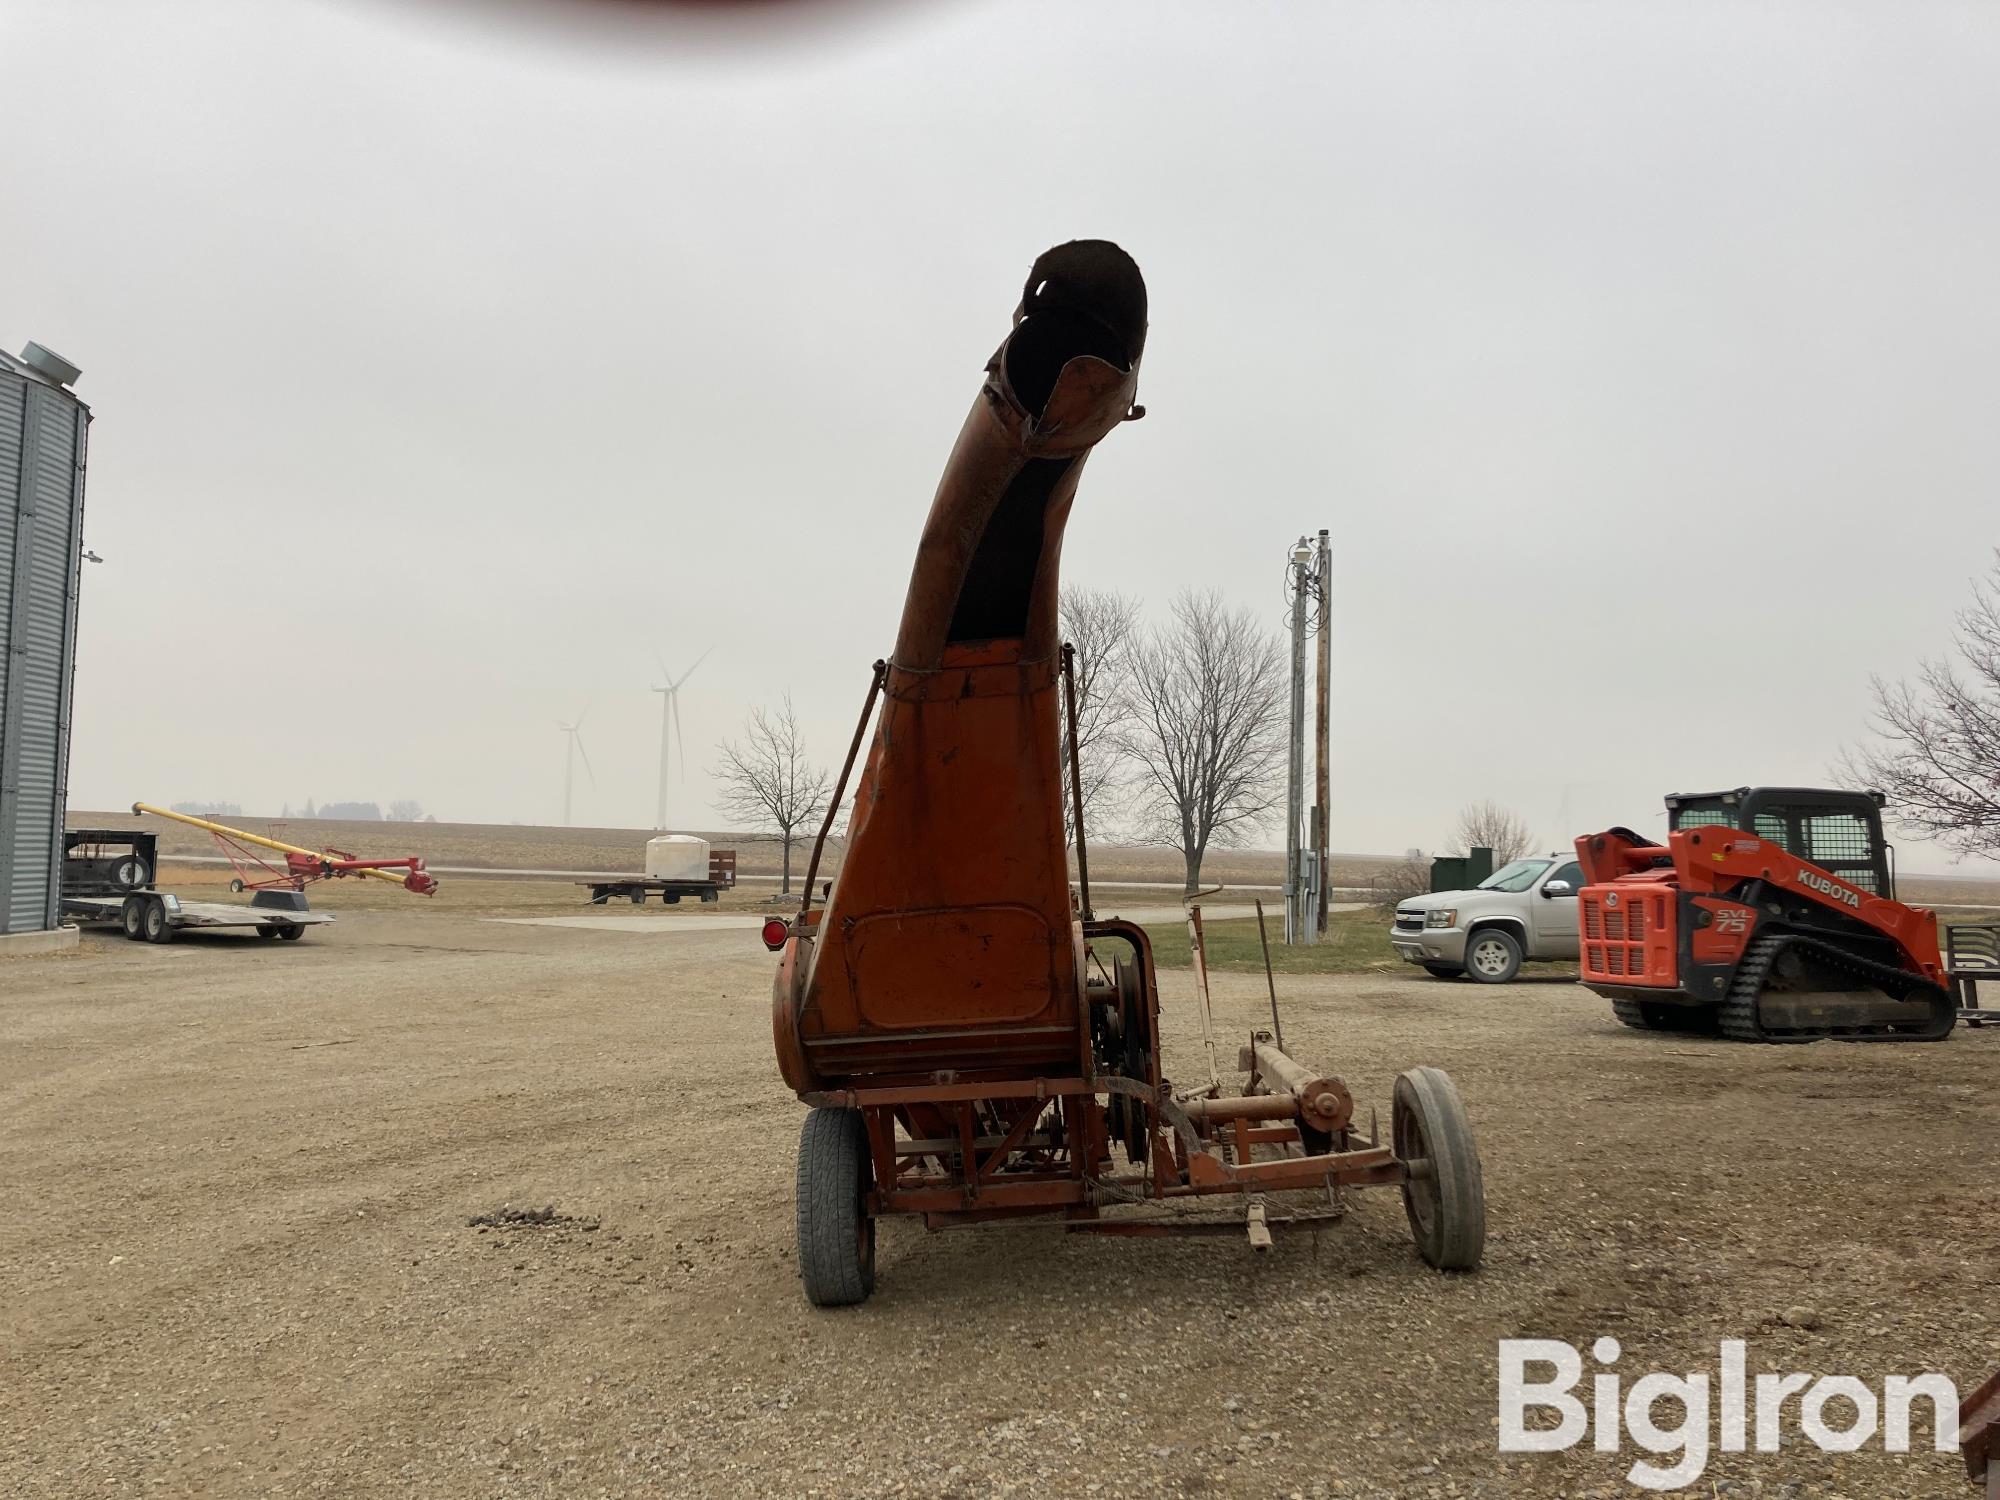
x,y
1640,359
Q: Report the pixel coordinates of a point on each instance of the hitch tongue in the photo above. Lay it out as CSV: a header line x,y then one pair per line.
x,y
1260,1230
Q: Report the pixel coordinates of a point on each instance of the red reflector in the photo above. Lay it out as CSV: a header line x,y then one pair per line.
x,y
776,930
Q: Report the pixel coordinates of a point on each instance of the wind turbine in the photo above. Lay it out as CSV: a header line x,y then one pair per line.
x,y
575,733
670,708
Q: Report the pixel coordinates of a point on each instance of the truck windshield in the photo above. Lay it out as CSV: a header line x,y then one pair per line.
x,y
1515,877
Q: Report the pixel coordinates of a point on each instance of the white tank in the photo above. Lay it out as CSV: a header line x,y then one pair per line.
x,y
677,856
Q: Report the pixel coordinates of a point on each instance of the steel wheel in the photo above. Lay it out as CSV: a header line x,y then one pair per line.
x,y
1492,956
1445,1196
836,1230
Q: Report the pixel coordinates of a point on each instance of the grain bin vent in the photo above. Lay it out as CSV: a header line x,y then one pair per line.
x,y
49,363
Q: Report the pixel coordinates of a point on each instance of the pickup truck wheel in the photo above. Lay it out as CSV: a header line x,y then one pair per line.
x,y
1444,971
1492,955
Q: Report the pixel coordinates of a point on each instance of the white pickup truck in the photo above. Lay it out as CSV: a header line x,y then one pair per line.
x,y
1523,910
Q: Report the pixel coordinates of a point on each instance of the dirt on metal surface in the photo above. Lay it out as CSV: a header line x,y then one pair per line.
x,y
237,1261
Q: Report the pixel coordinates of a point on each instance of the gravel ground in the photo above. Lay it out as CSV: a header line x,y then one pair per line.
x,y
238,1256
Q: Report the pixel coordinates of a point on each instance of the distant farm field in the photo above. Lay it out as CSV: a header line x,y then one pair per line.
x,y
512,846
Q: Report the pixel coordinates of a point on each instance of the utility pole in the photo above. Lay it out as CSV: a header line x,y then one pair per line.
x,y
1322,865
1299,927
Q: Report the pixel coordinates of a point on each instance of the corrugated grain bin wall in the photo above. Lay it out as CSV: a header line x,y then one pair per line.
x,y
42,443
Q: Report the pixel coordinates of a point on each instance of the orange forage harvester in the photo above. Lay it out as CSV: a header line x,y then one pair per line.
x,y
975,1045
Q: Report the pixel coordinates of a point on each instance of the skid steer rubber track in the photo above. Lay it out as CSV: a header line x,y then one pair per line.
x,y
1658,1015
1742,1023
1632,1014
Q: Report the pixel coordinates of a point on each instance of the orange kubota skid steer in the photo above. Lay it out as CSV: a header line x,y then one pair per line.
x,y
975,1045
1769,914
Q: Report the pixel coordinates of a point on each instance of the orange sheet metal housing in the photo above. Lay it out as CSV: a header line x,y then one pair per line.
x,y
949,942
1629,906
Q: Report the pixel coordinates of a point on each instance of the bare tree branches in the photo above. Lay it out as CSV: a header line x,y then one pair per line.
x,y
1392,885
1206,728
767,783
1488,825
1099,624
1940,763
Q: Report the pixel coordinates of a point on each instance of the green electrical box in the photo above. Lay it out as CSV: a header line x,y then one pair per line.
x,y
1461,872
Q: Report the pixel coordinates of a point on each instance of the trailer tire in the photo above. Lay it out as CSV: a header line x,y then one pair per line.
x,y
132,917
291,932
267,932
154,923
1492,956
1447,1205
836,1230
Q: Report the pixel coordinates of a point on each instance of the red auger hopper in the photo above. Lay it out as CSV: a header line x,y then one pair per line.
x,y
973,1044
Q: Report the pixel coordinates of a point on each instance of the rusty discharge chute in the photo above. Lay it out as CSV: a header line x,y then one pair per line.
x,y
948,941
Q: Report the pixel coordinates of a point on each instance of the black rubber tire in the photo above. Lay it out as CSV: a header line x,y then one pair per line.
x,y
836,1231
267,933
154,924
1444,971
291,932
235,887
1446,1208
132,873
132,917
1492,937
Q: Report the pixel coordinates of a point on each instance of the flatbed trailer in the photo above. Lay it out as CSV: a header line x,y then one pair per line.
x,y
157,916
636,888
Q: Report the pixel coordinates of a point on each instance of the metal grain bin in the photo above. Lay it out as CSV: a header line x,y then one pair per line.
x,y
42,433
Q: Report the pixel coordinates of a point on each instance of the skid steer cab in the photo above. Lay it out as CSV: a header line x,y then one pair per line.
x,y
1769,915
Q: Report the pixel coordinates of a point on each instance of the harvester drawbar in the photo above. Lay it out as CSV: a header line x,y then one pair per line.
x,y
974,1044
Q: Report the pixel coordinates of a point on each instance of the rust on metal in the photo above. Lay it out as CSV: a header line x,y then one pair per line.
x,y
1076,781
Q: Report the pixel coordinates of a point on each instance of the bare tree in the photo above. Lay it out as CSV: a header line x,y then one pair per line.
x,y
1488,825
1940,763
768,784
1206,727
406,810
1389,886
1099,624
